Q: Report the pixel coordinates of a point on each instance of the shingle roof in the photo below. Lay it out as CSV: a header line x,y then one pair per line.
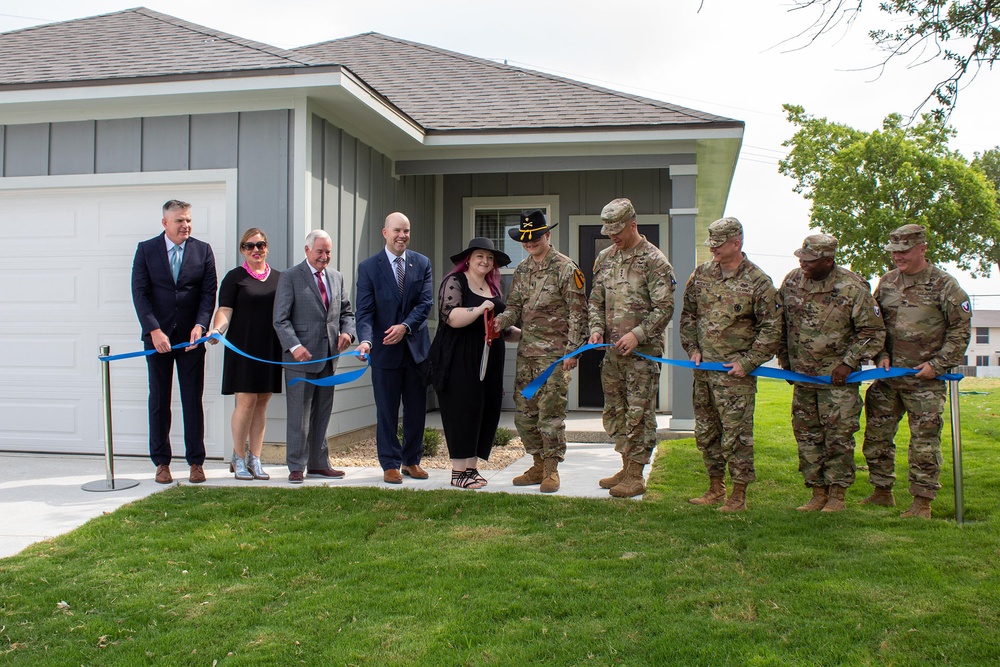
x,y
447,91
441,90
131,43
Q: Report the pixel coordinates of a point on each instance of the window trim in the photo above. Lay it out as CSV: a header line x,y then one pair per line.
x,y
548,203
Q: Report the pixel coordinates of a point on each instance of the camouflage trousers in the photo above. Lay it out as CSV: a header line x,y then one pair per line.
x,y
824,420
541,422
630,389
723,426
885,404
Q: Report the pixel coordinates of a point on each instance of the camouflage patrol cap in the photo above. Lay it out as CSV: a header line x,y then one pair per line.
x,y
616,215
906,237
722,230
816,246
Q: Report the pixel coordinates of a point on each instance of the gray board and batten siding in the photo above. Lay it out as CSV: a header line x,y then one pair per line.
x,y
257,143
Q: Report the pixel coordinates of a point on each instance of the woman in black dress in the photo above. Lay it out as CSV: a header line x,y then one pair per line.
x,y
470,406
246,303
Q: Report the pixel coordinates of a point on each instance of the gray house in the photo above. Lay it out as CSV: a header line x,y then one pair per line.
x,y
104,118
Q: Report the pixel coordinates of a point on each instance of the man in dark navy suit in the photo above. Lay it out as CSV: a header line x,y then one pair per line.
x,y
173,289
395,296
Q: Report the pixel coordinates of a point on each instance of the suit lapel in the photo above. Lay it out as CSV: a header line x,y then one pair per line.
x,y
389,274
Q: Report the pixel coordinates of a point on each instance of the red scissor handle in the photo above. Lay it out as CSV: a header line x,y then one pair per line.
x,y
491,335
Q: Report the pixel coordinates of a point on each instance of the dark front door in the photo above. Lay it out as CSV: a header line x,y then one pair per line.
x,y
591,243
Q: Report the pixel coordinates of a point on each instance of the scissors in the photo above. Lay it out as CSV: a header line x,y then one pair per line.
x,y
491,336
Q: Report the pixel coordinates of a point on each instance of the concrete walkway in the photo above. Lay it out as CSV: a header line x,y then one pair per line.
x,y
41,495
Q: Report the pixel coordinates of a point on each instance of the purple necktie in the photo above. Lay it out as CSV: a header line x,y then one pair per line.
x,y
322,289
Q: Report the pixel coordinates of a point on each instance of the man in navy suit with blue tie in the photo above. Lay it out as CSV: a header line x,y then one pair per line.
x,y
173,290
395,296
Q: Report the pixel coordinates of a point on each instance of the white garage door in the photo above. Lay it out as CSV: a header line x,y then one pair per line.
x,y
65,265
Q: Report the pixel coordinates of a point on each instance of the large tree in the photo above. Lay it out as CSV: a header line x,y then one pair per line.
x,y
864,185
964,33
989,162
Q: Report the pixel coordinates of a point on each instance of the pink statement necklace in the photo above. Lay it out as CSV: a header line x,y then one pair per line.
x,y
262,276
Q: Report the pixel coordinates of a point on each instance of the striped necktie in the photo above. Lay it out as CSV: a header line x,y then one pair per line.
x,y
400,274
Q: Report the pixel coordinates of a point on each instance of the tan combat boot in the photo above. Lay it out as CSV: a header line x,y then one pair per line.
x,y
609,482
836,501
533,475
817,502
920,508
550,484
716,494
632,483
737,501
882,495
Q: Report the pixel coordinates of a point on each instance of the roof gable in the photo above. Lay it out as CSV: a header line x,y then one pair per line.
x,y
447,91
131,43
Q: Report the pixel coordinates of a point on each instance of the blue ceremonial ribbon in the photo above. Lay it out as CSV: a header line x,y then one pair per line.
x,y
329,381
761,371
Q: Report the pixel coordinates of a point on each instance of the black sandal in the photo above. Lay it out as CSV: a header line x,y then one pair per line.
x,y
479,478
463,480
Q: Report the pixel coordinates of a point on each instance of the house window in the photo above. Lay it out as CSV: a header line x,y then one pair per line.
x,y
982,360
982,335
965,360
492,217
493,223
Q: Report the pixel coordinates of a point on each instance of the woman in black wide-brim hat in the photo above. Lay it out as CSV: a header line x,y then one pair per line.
x,y
469,392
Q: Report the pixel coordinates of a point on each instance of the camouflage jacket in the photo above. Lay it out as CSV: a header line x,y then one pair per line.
x,y
548,302
731,319
828,322
927,318
633,291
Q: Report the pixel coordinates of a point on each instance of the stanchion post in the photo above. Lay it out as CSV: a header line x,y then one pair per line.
x,y
109,483
956,451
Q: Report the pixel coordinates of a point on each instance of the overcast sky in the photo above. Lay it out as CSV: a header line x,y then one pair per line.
x,y
733,57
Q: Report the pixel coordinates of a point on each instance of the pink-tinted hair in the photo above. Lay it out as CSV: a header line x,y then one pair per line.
x,y
492,278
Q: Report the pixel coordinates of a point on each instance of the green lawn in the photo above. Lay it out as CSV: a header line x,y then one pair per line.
x,y
318,576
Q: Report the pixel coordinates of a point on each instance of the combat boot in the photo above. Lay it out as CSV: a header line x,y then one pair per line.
x,y
551,472
882,495
920,508
716,494
817,502
533,475
632,483
836,501
609,482
737,501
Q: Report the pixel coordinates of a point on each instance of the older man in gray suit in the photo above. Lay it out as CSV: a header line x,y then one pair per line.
x,y
313,320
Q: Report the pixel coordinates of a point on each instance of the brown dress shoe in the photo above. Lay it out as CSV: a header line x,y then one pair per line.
x,y
163,475
197,475
392,476
414,471
328,472
295,477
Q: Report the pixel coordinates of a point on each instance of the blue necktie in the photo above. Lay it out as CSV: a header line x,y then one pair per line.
x,y
175,262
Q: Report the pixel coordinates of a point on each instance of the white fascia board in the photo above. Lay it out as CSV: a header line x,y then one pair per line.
x,y
603,137
569,149
208,95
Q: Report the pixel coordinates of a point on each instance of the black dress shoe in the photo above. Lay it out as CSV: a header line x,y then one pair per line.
x,y
329,472
295,477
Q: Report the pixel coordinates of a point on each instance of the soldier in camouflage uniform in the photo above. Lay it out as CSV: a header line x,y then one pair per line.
x,y
732,315
548,303
928,326
832,323
630,306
